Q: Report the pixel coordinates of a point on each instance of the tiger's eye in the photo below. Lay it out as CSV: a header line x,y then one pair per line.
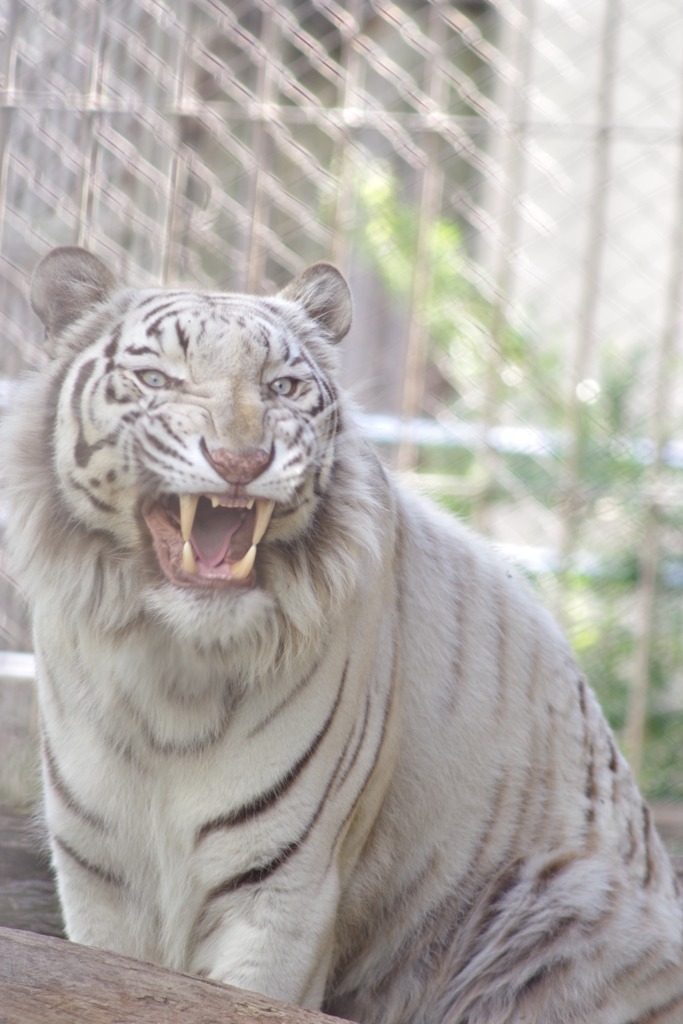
x,y
153,378
282,386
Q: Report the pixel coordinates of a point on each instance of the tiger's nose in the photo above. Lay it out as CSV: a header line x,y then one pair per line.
x,y
237,469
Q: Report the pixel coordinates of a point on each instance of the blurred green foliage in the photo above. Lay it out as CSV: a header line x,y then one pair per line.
x,y
600,592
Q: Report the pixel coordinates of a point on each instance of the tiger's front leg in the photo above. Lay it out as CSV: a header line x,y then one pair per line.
x,y
270,930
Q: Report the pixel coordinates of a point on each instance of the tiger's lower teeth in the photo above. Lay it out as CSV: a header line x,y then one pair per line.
x,y
240,570
189,563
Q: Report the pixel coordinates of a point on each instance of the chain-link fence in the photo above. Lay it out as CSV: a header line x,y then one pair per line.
x,y
502,182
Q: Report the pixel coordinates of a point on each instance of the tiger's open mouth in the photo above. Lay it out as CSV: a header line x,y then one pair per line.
x,y
207,540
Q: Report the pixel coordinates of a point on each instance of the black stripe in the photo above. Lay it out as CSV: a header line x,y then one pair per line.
x,y
113,344
164,422
356,752
283,513
316,409
591,789
183,339
613,760
142,350
490,905
256,875
101,506
632,842
306,359
84,375
590,785
327,450
299,429
177,293
59,785
266,800
369,774
190,749
101,873
647,837
154,312
582,696
160,446
326,387
294,459
151,477
263,337
82,450
301,685
552,869
259,874
145,302
153,329
111,396
651,1016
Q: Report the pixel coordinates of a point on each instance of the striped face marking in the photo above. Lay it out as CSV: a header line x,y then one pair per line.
x,y
210,415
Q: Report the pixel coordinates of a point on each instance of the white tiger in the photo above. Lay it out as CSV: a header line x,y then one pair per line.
x,y
302,732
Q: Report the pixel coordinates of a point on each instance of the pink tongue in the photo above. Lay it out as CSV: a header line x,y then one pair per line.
x,y
211,532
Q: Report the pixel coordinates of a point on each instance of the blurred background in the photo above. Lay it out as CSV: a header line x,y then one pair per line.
x,y
502,183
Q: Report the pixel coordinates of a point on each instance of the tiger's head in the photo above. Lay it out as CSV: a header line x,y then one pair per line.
x,y
192,427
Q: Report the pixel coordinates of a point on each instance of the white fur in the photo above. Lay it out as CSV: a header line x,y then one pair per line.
x,y
465,844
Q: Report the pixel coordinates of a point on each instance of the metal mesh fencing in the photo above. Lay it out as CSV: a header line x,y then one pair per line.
x,y
501,181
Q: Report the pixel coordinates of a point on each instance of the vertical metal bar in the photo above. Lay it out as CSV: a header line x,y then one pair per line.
x,y
258,202
595,247
8,68
177,170
430,205
344,203
660,428
88,146
8,587
515,165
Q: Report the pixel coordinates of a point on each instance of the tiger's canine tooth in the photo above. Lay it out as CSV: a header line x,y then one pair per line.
x,y
189,563
188,507
240,570
264,510
250,503
215,502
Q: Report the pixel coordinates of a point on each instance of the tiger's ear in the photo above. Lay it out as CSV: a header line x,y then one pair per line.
x,y
325,296
66,284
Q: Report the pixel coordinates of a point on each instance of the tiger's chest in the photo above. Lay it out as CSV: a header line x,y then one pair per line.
x,y
178,789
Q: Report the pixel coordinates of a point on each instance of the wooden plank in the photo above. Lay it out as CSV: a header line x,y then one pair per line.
x,y
27,891
19,774
48,979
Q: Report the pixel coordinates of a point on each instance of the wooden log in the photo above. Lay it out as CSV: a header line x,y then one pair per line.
x,y
47,979
27,889
19,775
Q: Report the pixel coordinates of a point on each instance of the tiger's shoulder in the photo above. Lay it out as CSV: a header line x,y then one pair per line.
x,y
511,811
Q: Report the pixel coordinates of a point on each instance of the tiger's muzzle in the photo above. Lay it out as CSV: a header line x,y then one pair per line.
x,y
208,540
